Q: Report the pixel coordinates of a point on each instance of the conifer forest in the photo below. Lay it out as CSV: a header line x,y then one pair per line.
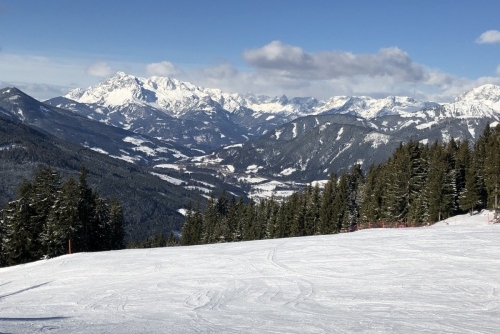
x,y
419,184
50,218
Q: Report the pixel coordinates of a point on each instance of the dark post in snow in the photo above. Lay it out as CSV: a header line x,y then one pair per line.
x,y
69,246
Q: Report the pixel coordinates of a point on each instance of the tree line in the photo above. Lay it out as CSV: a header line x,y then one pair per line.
x,y
50,217
419,184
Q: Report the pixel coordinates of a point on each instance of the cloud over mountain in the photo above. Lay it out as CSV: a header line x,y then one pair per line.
x,y
163,69
293,61
99,69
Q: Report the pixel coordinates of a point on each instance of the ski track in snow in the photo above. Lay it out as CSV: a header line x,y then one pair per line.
x,y
439,279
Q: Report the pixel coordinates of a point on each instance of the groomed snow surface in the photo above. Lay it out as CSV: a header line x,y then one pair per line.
x,y
439,279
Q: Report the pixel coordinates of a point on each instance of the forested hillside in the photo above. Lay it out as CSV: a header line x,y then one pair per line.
x,y
50,218
419,184
149,203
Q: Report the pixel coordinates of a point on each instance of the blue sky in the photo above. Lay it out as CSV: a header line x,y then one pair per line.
x,y
432,49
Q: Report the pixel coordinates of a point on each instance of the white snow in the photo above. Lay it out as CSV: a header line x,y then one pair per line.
x,y
253,169
324,126
228,168
424,141
288,171
137,141
425,125
339,135
252,180
100,150
169,179
439,279
294,130
233,146
202,189
170,166
126,158
377,139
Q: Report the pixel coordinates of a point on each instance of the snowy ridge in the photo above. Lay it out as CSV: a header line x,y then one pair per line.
x,y
438,279
483,101
176,98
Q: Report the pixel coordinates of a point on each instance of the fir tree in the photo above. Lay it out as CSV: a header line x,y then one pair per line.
x,y
63,223
492,169
116,225
470,197
327,215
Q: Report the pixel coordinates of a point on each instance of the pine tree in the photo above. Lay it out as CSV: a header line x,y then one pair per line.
x,y
470,197
340,205
272,223
492,170
19,241
478,158
116,225
100,234
327,215
354,197
192,230
63,223
86,213
45,189
370,211
440,188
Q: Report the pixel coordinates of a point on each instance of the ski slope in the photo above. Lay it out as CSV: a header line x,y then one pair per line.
x,y
439,279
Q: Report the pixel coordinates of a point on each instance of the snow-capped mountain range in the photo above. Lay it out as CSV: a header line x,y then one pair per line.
x,y
176,98
300,138
206,119
255,139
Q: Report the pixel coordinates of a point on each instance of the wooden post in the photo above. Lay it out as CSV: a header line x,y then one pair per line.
x,y
496,204
69,246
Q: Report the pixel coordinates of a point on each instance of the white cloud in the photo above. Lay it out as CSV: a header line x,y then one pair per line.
x,y
163,69
275,69
489,37
292,61
99,69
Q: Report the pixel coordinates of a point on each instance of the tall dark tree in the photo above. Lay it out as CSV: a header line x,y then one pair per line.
x,y
86,213
492,169
327,214
470,197
117,225
19,240
63,223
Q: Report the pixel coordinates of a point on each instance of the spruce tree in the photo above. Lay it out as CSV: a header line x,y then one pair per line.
x,y
86,213
63,222
370,211
116,225
327,215
19,241
470,196
492,170
340,205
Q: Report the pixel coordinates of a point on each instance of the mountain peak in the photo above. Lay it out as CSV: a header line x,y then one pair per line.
x,y
487,92
176,98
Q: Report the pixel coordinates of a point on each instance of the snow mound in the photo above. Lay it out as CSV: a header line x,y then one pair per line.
x,y
485,217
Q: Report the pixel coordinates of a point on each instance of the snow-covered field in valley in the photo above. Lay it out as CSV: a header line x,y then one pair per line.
x,y
439,279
